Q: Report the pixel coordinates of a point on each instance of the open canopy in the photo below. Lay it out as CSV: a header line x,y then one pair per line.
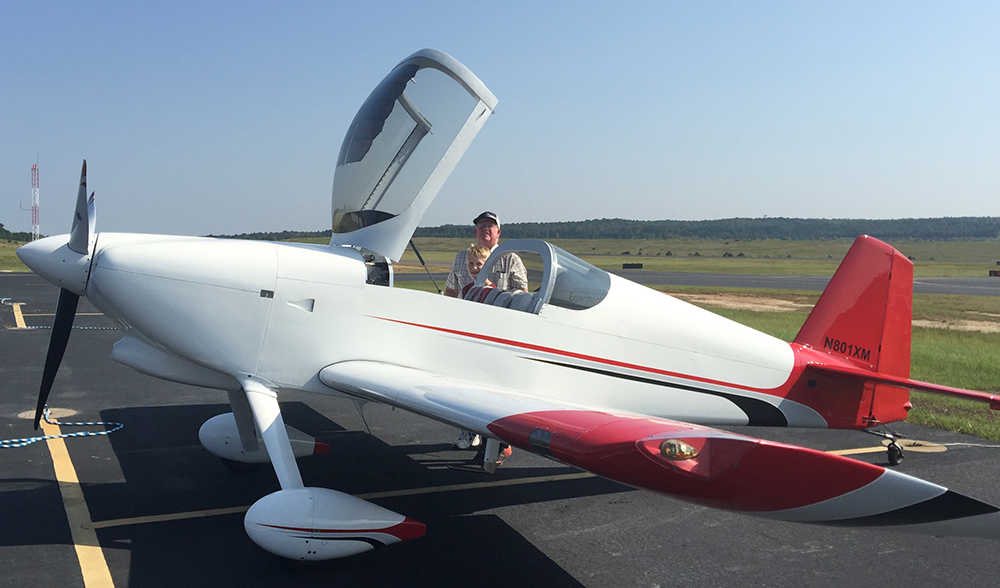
x,y
403,144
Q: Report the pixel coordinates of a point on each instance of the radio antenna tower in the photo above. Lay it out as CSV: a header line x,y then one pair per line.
x,y
34,201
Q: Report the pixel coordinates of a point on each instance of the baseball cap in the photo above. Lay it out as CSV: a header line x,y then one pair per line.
x,y
490,215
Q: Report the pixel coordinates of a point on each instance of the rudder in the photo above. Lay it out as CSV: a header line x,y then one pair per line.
x,y
866,312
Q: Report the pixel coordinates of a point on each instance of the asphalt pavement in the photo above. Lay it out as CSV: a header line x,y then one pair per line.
x,y
166,513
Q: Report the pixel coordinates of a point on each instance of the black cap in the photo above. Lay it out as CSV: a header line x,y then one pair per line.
x,y
490,215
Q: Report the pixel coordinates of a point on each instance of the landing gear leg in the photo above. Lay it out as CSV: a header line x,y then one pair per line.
x,y
490,455
263,400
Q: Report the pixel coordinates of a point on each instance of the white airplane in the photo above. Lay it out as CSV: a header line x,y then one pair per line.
x,y
589,369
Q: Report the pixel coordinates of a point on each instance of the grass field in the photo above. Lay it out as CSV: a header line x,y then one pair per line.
x,y
8,260
941,259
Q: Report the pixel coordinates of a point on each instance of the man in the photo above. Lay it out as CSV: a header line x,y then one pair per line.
x,y
508,272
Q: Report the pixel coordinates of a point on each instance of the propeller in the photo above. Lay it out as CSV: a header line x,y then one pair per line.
x,y
80,238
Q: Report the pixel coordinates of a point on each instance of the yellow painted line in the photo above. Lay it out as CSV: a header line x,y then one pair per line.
x,y
51,314
476,485
179,516
859,450
389,494
18,317
88,549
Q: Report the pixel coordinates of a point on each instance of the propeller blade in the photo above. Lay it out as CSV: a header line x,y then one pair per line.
x,y
92,218
62,326
79,235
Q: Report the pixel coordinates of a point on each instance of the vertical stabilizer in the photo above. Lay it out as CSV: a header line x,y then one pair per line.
x,y
865,316
865,313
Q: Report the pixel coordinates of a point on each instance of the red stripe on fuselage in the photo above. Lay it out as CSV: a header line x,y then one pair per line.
x,y
592,358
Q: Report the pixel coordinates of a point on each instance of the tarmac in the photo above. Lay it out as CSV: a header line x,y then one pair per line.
x,y
148,506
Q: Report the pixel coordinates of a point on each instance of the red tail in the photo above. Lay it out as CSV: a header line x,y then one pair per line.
x,y
865,315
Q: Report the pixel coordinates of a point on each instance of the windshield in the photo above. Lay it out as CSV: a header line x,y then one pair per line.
x,y
566,280
578,285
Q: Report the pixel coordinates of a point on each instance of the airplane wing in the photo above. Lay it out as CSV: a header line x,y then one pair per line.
x,y
699,464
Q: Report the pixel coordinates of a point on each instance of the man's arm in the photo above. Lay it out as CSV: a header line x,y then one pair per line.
x,y
451,284
518,274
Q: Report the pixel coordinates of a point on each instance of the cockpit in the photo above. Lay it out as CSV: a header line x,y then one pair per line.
x,y
555,277
400,148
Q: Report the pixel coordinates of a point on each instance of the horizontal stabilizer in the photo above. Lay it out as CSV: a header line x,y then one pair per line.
x,y
845,371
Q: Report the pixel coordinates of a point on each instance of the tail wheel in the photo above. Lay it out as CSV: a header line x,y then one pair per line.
x,y
895,454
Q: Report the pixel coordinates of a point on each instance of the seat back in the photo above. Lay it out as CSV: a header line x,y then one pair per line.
x,y
503,299
521,301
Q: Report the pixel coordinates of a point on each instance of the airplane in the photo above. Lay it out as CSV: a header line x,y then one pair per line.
x,y
586,368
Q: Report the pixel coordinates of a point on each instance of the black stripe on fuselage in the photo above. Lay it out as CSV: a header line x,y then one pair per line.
x,y
759,413
944,507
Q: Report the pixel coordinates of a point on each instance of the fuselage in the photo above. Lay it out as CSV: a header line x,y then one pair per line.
x,y
211,310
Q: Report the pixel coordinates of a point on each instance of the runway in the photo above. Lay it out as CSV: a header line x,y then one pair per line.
x,y
163,512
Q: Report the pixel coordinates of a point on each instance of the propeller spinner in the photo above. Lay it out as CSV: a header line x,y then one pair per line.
x,y
63,260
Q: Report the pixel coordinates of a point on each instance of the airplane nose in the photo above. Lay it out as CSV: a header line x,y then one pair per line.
x,y
52,259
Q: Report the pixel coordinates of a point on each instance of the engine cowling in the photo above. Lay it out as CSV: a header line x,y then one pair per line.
x,y
220,436
318,523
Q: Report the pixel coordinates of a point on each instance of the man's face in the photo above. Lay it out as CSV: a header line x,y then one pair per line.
x,y
474,264
487,233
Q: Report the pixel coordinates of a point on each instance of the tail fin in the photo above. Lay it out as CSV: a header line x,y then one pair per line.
x,y
865,314
863,322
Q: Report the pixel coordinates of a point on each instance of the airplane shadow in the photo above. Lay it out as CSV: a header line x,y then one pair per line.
x,y
22,500
165,470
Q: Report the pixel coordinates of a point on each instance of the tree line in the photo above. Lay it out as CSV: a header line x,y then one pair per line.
x,y
278,236
791,229
6,235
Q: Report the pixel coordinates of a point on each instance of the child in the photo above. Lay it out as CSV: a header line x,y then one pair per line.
x,y
475,257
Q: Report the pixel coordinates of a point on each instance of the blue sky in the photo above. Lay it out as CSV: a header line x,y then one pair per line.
x,y
216,117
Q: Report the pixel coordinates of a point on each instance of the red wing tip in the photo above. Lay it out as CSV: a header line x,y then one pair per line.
x,y
320,448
